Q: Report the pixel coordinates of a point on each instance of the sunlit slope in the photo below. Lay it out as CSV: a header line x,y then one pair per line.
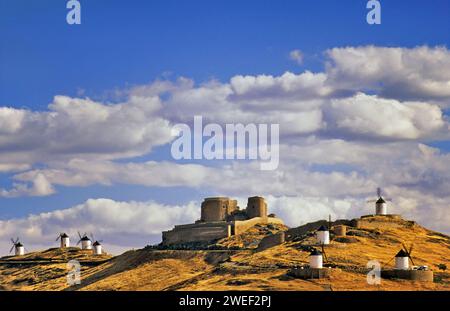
x,y
378,238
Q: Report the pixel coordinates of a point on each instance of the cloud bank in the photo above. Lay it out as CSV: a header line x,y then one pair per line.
x,y
367,120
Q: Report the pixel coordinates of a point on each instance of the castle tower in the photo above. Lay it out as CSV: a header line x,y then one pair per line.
x,y
256,207
217,209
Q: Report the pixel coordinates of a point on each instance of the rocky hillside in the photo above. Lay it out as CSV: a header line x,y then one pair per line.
x,y
235,264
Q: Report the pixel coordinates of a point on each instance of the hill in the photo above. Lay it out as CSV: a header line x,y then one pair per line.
x,y
236,264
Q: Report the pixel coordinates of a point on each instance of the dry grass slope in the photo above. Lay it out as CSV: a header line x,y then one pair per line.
x,y
378,238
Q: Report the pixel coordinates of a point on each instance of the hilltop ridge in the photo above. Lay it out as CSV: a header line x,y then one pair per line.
x,y
236,264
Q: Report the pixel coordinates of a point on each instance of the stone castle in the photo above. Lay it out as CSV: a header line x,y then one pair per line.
x,y
221,217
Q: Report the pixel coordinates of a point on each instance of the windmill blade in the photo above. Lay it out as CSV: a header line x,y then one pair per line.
x,y
79,234
405,248
325,257
92,236
12,241
58,237
324,254
379,191
411,249
11,249
78,241
371,201
390,260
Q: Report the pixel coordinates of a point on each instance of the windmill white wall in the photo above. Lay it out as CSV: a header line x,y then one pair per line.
x,y
323,235
316,261
381,208
86,244
19,250
401,263
65,242
97,249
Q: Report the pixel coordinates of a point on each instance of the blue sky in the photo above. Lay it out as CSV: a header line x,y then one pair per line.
x,y
124,44
118,45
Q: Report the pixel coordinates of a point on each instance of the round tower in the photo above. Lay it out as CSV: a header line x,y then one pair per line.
x,y
86,243
65,242
256,207
401,261
315,259
380,207
340,230
217,209
19,249
323,235
97,248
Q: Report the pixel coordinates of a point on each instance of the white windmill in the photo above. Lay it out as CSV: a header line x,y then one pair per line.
x,y
380,203
403,257
317,258
97,248
86,243
97,245
18,247
323,235
65,241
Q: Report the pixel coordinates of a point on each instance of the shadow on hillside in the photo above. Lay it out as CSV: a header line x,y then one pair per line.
x,y
127,261
135,258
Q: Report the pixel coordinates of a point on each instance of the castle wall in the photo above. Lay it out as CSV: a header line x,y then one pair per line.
x,y
197,232
415,275
256,207
212,230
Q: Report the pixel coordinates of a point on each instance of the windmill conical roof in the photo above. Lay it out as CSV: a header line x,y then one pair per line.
x,y
64,235
18,244
85,238
322,228
381,200
96,243
401,253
